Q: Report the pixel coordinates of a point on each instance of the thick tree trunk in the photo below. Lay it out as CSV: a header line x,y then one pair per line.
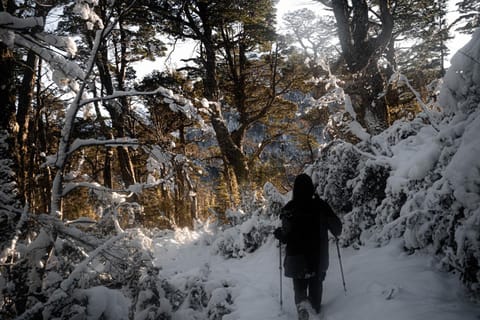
x,y
231,152
118,121
25,98
361,52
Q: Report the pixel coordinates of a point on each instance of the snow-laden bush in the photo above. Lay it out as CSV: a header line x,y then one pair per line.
x,y
61,272
336,165
367,193
237,241
198,296
249,231
421,186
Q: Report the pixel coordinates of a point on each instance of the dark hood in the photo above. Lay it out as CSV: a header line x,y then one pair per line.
x,y
303,188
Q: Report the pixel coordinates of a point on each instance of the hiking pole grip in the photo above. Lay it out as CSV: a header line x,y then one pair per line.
x,y
341,266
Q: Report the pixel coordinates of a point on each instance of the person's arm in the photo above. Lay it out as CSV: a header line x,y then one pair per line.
x,y
333,222
282,233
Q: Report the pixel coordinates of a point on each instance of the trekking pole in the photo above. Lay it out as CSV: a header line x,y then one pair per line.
x,y
280,268
341,267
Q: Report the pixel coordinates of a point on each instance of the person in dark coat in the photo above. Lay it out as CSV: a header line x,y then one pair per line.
x,y
306,220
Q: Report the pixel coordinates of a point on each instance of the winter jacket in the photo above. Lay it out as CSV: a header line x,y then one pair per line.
x,y
305,226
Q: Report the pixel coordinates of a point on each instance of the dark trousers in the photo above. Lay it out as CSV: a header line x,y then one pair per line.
x,y
309,290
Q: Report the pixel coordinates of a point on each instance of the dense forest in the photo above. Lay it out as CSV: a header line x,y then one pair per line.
x,y
95,158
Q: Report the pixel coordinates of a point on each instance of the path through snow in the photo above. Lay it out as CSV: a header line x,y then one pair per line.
x,y
382,283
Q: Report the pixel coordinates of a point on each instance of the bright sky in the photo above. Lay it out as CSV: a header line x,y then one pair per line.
x,y
187,50
284,6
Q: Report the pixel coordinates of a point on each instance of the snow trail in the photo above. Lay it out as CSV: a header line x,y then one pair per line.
x,y
382,283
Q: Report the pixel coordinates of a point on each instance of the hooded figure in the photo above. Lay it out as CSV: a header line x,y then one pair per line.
x,y
306,220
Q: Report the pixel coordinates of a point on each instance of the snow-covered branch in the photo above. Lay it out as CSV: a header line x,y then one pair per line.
x,y
176,102
121,94
69,187
398,77
77,235
26,33
9,22
69,68
119,142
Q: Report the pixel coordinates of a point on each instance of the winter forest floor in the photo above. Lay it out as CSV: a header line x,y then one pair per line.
x,y
382,283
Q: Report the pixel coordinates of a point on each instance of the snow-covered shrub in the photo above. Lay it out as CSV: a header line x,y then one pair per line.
x,y
149,301
274,200
11,223
249,230
368,192
64,273
197,296
174,295
220,303
336,165
237,241
103,303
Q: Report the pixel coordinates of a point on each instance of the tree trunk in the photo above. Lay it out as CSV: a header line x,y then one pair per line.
x,y
8,96
25,98
230,151
118,120
361,52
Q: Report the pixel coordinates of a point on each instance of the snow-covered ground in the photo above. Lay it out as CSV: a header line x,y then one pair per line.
x,y
382,283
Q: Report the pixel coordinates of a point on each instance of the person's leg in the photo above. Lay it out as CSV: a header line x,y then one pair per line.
x,y
300,290
315,290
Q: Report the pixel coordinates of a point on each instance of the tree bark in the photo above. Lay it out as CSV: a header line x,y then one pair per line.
x,y
118,119
7,89
361,52
231,152
25,98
